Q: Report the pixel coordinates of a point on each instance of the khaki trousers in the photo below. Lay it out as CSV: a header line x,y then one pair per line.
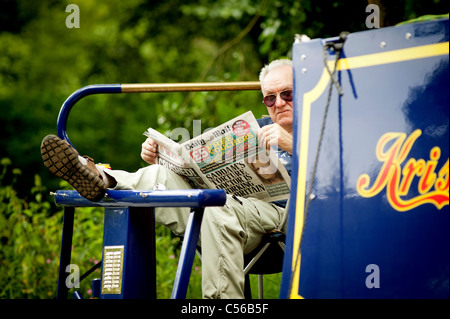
x,y
227,233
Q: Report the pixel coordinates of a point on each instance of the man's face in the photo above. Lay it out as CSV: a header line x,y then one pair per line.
x,y
276,81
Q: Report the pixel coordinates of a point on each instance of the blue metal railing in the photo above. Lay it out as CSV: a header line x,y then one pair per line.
x,y
75,97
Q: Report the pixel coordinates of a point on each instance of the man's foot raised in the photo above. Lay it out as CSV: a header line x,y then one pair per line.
x,y
62,160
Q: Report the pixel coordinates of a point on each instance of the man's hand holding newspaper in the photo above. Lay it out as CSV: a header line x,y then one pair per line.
x,y
227,157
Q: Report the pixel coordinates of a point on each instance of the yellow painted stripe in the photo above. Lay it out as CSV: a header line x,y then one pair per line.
x,y
310,97
400,55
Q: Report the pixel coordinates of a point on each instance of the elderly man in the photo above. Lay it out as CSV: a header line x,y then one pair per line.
x,y
227,233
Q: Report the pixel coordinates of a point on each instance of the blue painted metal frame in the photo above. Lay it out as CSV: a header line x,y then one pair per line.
x,y
129,220
130,227
193,198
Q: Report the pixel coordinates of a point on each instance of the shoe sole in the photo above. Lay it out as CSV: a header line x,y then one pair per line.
x,y
62,161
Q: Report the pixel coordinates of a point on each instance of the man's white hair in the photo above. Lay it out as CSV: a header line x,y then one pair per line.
x,y
273,65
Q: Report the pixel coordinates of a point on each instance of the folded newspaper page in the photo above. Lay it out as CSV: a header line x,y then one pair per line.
x,y
227,157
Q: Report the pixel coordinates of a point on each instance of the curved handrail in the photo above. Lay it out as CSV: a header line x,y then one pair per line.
x,y
143,88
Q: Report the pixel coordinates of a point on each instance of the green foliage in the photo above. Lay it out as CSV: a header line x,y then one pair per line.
x,y
168,249
30,241
138,41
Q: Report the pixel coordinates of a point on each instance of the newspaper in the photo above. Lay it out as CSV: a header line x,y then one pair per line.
x,y
227,157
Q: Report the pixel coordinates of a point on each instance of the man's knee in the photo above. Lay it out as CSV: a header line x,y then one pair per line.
x,y
158,174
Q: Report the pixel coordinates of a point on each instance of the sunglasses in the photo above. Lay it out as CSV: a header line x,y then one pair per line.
x,y
270,100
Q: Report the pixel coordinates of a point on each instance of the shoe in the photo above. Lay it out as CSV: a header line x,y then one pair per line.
x,y
62,160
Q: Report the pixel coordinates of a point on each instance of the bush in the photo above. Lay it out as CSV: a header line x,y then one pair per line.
x,y
30,233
